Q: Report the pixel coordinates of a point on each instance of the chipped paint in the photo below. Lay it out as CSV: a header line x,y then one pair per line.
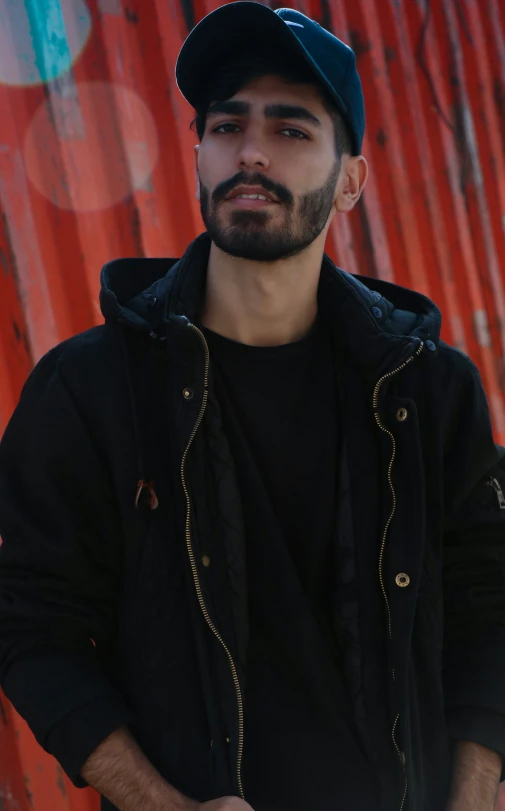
x,y
8,802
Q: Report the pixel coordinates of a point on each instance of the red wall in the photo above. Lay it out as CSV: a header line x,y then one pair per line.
x,y
95,163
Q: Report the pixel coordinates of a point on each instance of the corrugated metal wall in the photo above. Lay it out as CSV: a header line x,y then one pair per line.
x,y
95,163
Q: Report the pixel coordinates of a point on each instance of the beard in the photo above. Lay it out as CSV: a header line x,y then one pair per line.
x,y
251,235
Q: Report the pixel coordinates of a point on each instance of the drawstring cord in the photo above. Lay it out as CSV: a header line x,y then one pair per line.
x,y
152,500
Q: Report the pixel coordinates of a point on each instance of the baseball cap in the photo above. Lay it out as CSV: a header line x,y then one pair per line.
x,y
234,27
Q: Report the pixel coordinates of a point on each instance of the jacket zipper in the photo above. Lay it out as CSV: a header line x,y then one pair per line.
x,y
495,484
385,533
194,569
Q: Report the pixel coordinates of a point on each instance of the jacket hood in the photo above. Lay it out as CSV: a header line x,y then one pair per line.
x,y
144,293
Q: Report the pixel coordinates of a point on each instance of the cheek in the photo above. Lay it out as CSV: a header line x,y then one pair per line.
x,y
309,164
213,166
299,172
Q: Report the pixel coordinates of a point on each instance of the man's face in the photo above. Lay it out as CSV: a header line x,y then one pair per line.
x,y
276,140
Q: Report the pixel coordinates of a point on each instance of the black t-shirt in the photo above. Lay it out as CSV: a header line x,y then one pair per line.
x,y
285,403
280,414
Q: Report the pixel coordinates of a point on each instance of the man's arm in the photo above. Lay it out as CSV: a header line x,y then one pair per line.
x,y
60,559
476,777
474,594
59,572
120,771
474,603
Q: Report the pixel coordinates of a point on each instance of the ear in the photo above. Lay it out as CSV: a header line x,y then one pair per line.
x,y
195,162
351,182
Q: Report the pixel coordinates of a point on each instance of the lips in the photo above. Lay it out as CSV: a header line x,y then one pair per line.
x,y
251,192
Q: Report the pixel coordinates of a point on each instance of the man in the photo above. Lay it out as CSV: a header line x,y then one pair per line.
x,y
253,526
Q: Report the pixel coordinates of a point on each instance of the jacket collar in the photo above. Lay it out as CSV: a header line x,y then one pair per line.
x,y
376,323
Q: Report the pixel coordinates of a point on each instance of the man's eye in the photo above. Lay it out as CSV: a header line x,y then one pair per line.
x,y
298,135
226,128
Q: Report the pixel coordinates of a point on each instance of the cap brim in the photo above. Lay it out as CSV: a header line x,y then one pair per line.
x,y
229,30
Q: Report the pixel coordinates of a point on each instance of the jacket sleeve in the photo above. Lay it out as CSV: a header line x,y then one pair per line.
x,y
59,568
474,572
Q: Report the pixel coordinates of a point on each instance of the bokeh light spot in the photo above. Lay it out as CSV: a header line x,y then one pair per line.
x,y
91,149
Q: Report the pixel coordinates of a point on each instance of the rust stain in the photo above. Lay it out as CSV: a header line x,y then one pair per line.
x,y
324,18
499,95
390,54
131,16
60,782
381,137
188,13
3,262
359,43
3,714
7,255
17,332
29,795
136,230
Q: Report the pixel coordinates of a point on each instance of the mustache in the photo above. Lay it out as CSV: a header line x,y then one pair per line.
x,y
222,191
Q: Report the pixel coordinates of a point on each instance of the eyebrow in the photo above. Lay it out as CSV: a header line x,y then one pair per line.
x,y
271,111
292,111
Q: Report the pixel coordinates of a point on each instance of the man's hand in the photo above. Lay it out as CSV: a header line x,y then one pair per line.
x,y
120,771
225,804
476,778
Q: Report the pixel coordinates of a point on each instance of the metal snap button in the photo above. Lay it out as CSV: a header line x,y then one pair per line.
x,y
402,580
376,312
430,346
402,414
206,561
188,394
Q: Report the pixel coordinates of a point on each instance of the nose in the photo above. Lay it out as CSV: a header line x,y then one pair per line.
x,y
252,154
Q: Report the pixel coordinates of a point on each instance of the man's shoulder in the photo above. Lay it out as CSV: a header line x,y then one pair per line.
x,y
96,348
443,381
455,361
104,358
450,381
84,363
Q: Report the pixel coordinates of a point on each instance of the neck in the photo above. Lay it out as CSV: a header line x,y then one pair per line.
x,y
262,304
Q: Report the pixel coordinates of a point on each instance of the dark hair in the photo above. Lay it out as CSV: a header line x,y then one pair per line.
x,y
231,77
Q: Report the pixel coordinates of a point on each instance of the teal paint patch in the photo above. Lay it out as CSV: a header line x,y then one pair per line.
x,y
41,39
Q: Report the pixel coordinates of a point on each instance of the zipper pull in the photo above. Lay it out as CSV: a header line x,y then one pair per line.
x,y
495,484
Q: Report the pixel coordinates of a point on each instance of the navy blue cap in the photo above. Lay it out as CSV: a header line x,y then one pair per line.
x,y
247,25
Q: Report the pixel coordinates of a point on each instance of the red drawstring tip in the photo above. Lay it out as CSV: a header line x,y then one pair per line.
x,y
152,500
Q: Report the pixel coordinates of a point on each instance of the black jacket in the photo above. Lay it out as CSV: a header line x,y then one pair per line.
x,y
123,586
